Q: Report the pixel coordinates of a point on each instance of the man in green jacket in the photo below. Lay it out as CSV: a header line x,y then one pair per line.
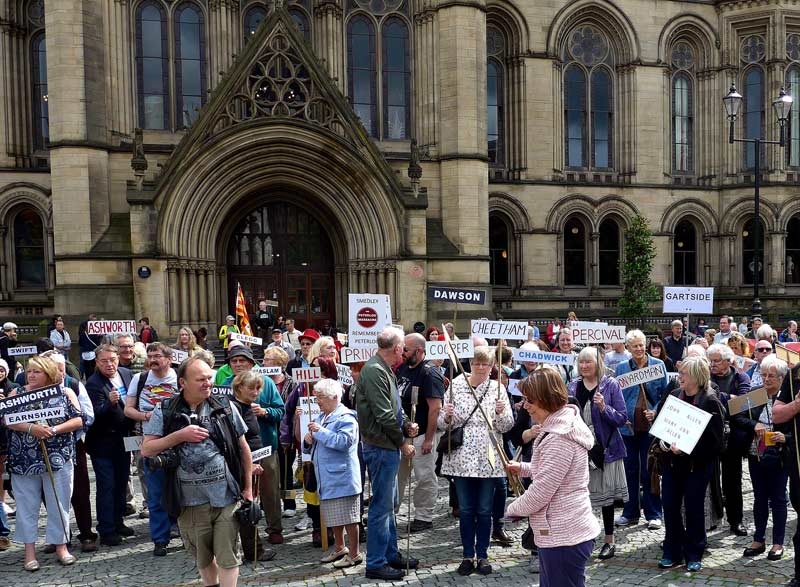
x,y
383,429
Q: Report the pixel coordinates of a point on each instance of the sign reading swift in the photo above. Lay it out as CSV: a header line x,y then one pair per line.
x,y
645,375
103,327
17,351
497,329
536,356
688,300
457,296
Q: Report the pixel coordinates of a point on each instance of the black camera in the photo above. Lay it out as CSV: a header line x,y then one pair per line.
x,y
169,459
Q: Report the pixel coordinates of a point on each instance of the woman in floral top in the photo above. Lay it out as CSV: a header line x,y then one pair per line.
x,y
27,467
475,464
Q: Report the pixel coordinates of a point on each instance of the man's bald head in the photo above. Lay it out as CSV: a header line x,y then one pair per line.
x,y
415,341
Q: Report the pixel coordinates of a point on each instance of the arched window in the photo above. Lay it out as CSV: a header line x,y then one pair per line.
x,y
793,250
602,118
793,127
494,110
301,20
609,252
574,252
499,244
252,19
682,123
152,71
396,78
362,73
753,113
684,254
748,252
41,116
190,70
29,250
575,116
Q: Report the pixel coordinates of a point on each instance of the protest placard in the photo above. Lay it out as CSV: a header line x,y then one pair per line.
x,y
513,387
437,350
245,338
310,411
680,423
34,415
261,453
743,363
748,401
179,357
268,370
103,327
537,356
786,354
499,329
457,295
14,403
342,338
133,443
306,374
345,374
688,300
223,390
20,351
271,303
369,315
361,355
639,376
596,333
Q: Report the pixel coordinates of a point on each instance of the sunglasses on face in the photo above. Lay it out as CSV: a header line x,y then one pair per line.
x,y
763,350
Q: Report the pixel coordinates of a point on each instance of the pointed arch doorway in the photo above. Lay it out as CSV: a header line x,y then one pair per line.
x,y
282,252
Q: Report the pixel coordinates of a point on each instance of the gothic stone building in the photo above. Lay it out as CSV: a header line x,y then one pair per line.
x,y
276,151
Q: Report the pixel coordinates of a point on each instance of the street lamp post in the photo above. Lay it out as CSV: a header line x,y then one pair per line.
x,y
782,106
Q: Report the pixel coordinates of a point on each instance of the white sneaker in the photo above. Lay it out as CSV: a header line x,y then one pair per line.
x,y
623,521
653,524
289,513
7,508
302,524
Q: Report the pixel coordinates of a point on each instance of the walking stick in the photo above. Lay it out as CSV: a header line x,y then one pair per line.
x,y
414,400
53,485
256,486
794,422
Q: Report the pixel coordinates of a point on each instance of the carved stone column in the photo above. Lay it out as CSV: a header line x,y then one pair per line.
x,y
172,285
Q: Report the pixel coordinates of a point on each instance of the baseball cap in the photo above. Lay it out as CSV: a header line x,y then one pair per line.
x,y
229,317
241,350
278,330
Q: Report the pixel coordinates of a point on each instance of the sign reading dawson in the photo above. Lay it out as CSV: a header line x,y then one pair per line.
x,y
537,356
457,296
503,330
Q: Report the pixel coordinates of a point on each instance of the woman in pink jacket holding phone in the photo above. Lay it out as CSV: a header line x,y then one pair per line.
x,y
557,500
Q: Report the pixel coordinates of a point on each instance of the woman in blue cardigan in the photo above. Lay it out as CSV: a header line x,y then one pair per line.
x,y
332,440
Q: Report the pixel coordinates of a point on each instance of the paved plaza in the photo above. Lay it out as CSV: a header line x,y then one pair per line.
x,y
133,563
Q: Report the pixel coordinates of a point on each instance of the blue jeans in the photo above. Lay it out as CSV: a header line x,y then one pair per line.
x,y
4,529
499,502
769,492
679,485
382,465
475,497
636,476
160,522
564,566
111,475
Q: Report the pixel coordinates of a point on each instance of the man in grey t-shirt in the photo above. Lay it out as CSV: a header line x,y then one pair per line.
x,y
209,493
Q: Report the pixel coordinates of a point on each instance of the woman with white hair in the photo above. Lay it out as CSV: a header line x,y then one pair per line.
x,y
685,477
766,454
640,405
332,441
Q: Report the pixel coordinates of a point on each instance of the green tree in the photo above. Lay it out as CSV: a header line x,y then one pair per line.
x,y
639,292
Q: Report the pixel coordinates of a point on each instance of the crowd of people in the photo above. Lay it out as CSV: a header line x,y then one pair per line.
x,y
567,442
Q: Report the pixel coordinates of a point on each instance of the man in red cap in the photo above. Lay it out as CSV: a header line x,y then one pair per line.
x,y
307,340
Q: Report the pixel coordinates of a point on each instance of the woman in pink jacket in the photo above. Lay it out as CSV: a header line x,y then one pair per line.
x,y
557,500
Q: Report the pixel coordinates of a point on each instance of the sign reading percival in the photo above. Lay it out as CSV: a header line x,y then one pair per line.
x,y
535,356
500,329
369,315
597,333
245,338
639,376
688,300
103,327
437,350
680,423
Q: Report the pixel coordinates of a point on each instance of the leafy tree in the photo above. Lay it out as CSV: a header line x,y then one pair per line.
x,y
639,292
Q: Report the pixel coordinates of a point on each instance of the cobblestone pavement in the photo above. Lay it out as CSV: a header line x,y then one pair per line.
x,y
133,564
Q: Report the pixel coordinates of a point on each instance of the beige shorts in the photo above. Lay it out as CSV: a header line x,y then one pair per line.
x,y
210,533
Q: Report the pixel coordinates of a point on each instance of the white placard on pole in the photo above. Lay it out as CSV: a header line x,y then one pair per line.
x,y
537,356
437,350
513,387
369,315
345,374
598,334
133,443
307,374
309,414
680,423
362,355
688,300
261,453
223,390
19,351
499,329
34,415
179,357
245,338
268,370
103,327
645,375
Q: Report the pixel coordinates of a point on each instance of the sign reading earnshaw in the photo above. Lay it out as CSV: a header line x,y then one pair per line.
x,y
457,296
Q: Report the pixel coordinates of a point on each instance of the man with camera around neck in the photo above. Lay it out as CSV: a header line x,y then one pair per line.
x,y
199,441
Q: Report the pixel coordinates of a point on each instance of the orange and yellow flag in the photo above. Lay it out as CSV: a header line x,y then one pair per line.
x,y
241,312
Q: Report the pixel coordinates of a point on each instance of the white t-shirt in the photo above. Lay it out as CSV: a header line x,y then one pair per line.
x,y
155,390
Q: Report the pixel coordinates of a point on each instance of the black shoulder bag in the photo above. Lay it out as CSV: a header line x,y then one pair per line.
x,y
454,437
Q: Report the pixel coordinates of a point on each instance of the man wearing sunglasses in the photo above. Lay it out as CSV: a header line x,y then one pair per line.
x,y
763,349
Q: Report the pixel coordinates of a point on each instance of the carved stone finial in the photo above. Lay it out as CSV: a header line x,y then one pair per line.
x,y
414,168
138,161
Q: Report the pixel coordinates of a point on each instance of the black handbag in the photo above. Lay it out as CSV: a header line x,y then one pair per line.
x,y
454,437
309,477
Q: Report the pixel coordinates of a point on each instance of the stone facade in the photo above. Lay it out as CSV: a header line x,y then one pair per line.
x,y
505,178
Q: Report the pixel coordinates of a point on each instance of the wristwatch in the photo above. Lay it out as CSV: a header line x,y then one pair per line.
x,y
53,430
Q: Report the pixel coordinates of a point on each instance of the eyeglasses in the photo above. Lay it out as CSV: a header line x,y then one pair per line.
x,y
126,346
763,350
159,356
306,344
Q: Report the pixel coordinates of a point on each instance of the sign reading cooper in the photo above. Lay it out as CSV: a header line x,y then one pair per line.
x,y
688,300
437,350
369,315
535,356
639,376
103,327
17,401
457,296
502,330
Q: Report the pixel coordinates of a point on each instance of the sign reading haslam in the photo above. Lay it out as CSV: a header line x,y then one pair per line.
x,y
502,330
103,327
369,315
361,355
598,334
457,296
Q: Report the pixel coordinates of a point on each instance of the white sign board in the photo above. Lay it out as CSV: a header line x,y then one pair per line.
x,y
341,337
103,327
597,333
645,375
513,387
307,374
268,370
743,363
680,423
261,453
345,374
537,356
34,415
362,355
309,414
437,350
17,351
501,330
688,300
223,390
179,357
133,443
369,315
244,338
